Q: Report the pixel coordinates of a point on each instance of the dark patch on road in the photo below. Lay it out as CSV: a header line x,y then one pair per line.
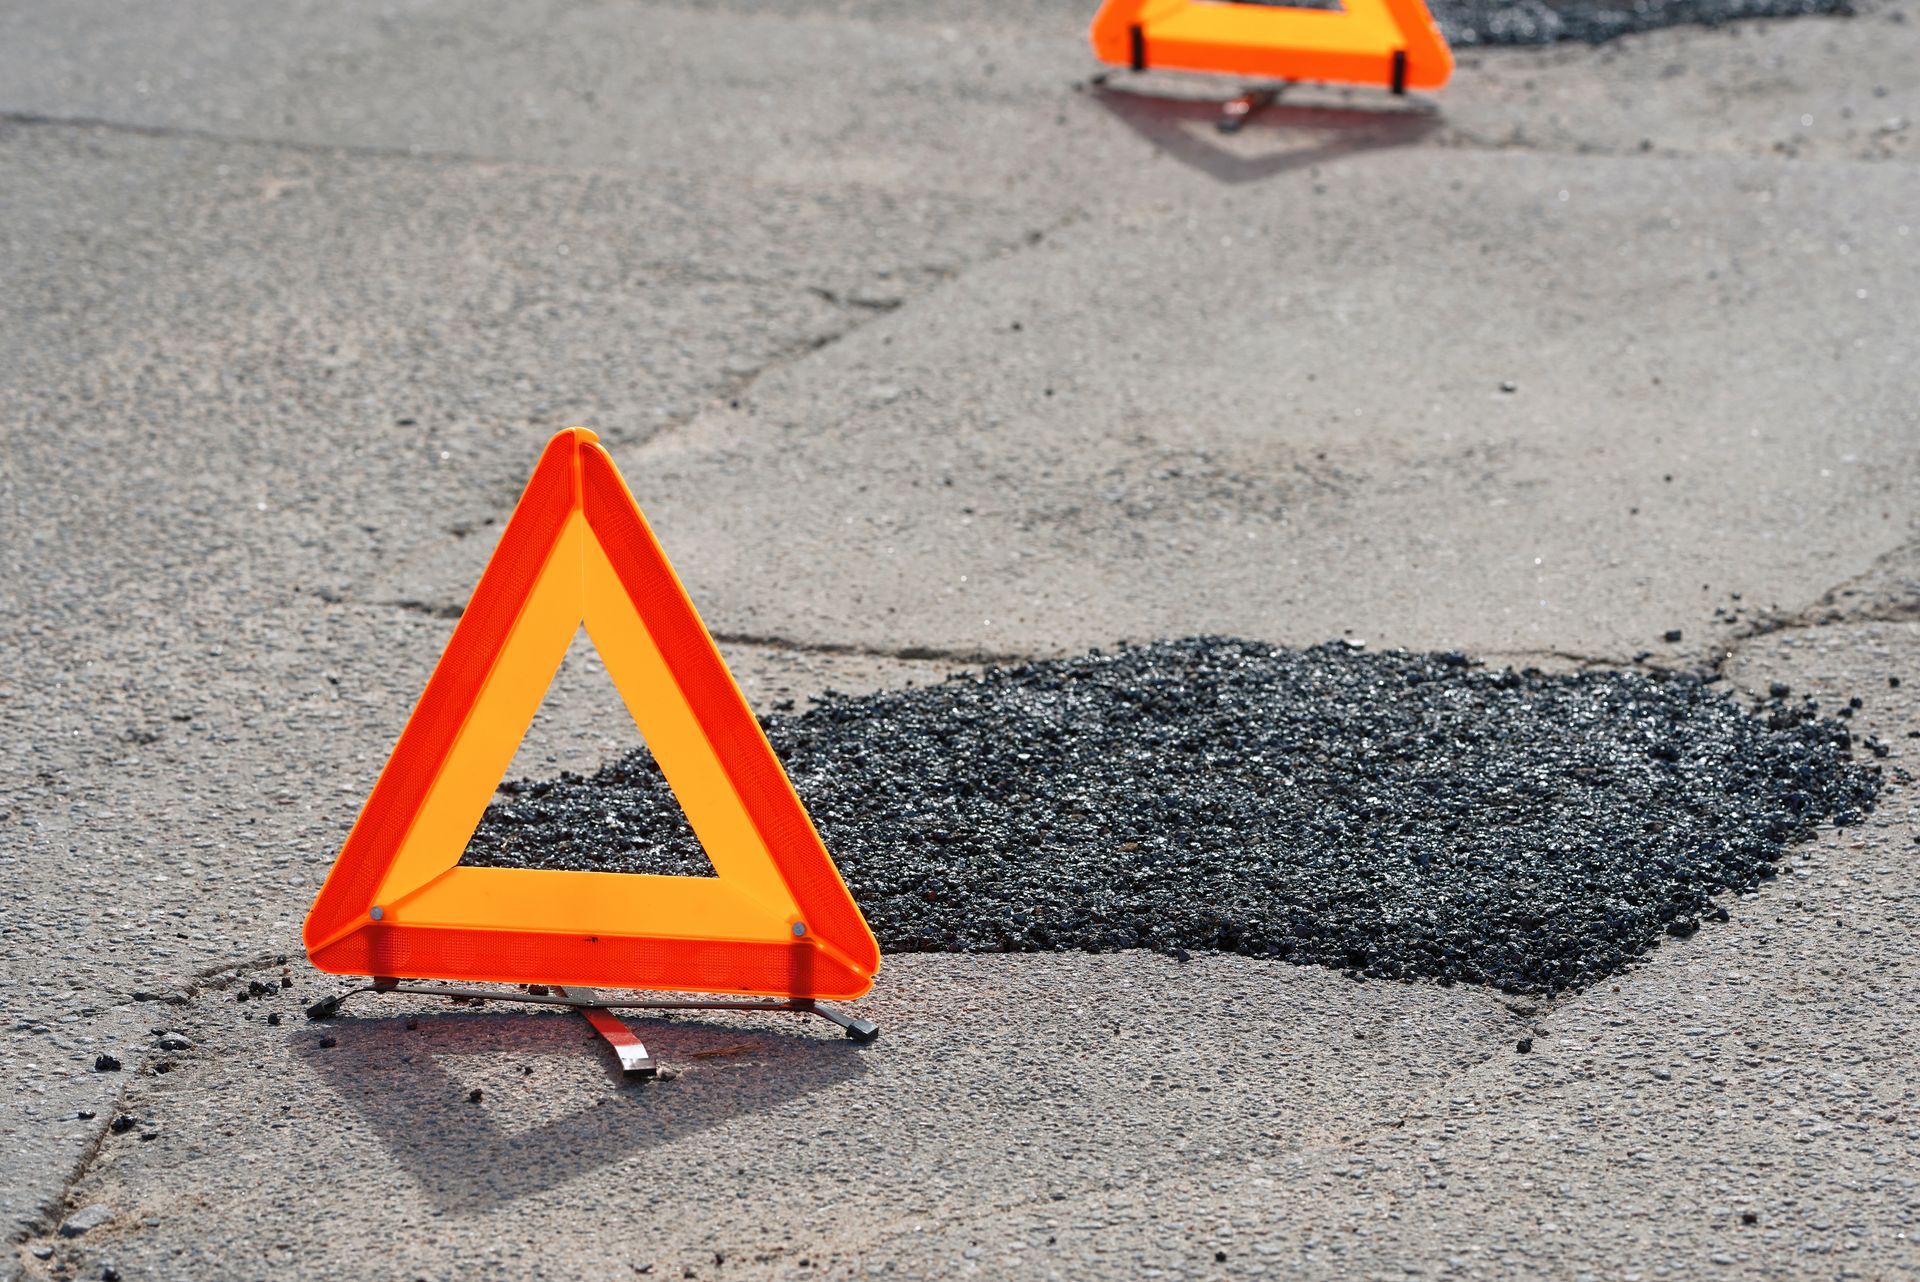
x,y
1397,816
1538,22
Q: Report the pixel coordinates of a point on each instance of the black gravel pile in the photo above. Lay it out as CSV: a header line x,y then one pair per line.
x,y
1538,22
1398,816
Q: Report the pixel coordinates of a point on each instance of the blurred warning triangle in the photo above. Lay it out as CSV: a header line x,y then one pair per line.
x,y
775,921
1391,43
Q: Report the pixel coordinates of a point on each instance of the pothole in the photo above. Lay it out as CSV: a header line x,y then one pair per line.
x,y
1534,22
1394,815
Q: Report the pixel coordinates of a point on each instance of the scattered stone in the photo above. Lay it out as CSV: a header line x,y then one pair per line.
x,y
85,1115
121,1124
473,1096
1749,1218
274,1018
328,1043
1671,635
174,1042
85,1220
1392,815
105,1064
1779,690
1524,1045
43,1253
325,1008
1509,387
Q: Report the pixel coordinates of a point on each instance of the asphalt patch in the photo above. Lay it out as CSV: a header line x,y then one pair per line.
x,y
1398,816
1537,22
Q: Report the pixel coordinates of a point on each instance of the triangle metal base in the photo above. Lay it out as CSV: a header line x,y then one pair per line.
x,y
598,1008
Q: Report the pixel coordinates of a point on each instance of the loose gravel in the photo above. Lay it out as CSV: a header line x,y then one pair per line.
x,y
1535,22
1397,816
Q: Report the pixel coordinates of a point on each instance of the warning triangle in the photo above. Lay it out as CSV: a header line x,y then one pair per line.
x,y
1392,43
775,921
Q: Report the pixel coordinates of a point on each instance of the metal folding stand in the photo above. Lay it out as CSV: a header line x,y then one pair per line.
x,y
1234,112
598,1010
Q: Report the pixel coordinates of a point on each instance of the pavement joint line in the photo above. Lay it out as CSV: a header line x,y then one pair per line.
x,y
1828,611
48,1216
25,119
51,1211
1812,618
907,653
866,313
411,606
207,978
1583,662
768,641
40,120
861,304
735,388
1448,137
358,151
1715,659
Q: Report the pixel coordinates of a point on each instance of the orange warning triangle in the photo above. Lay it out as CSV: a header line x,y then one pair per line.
x,y
1392,43
776,921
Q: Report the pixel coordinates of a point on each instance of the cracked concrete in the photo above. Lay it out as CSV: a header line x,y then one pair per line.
x,y
1019,367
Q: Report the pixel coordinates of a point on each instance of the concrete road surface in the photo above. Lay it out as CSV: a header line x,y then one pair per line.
x,y
922,351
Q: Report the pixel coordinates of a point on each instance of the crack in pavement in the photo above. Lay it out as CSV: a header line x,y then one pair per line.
x,y
731,390
431,609
866,311
219,977
906,653
1580,662
188,133
1886,602
971,657
849,300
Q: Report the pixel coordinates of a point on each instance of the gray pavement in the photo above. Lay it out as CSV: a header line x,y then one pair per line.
x,y
290,302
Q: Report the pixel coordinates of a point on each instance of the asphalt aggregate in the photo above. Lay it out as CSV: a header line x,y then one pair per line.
x,y
1535,22
1397,816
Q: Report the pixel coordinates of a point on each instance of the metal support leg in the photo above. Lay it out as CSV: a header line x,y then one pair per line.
x,y
860,1030
634,1060
598,1008
1234,114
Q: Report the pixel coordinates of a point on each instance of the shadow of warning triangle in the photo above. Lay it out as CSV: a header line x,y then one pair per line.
x,y
1275,140
546,1114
